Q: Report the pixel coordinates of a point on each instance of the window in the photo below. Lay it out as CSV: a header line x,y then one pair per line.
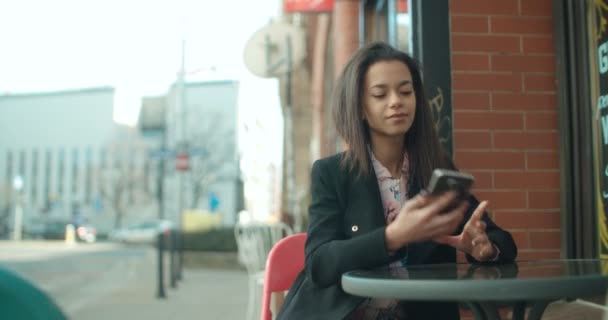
x,y
47,178
34,177
61,172
74,170
88,180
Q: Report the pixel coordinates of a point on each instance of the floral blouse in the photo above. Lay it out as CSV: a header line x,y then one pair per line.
x,y
393,192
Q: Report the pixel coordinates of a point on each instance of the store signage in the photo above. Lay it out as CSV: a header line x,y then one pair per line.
x,y
308,5
601,124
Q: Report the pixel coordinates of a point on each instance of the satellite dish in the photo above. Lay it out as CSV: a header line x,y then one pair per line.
x,y
266,52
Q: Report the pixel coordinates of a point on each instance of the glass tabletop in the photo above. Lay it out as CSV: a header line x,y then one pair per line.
x,y
538,279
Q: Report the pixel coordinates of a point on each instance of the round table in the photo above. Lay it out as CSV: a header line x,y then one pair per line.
x,y
485,288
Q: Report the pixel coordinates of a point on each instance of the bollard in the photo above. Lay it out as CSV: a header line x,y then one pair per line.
x,y
180,250
172,255
70,234
161,282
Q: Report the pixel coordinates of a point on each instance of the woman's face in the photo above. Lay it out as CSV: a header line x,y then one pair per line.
x,y
389,100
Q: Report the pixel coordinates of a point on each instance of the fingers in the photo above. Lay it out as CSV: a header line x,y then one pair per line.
x,y
481,247
417,202
480,239
448,222
441,202
391,217
475,228
449,240
485,252
478,213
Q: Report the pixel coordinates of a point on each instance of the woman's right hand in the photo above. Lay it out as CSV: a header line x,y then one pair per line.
x,y
425,217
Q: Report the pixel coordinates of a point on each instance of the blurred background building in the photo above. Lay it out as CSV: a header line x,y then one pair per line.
x,y
513,86
76,163
212,180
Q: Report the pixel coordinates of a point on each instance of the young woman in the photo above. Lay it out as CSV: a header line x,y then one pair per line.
x,y
368,209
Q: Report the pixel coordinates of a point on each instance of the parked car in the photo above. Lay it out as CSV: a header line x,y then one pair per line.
x,y
145,232
56,230
86,233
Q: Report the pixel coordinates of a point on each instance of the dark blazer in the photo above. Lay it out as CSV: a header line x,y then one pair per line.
x,y
346,232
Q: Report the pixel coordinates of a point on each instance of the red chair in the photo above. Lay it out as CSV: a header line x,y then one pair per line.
x,y
285,261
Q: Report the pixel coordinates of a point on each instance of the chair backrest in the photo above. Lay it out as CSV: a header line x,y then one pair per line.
x,y
285,262
254,241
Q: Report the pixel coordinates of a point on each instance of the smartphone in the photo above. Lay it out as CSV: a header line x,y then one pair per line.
x,y
443,180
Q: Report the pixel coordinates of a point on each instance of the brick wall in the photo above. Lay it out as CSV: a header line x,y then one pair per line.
x,y
505,115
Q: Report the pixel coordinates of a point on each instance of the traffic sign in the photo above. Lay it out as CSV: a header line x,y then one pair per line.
x,y
182,162
162,154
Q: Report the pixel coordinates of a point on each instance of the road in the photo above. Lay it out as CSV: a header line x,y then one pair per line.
x,y
112,281
75,276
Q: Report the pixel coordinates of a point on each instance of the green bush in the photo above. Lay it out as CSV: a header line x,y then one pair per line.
x,y
216,239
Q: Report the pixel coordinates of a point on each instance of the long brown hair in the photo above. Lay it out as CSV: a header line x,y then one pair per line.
x,y
421,142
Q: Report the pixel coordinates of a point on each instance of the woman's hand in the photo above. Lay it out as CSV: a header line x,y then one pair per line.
x,y
473,240
425,217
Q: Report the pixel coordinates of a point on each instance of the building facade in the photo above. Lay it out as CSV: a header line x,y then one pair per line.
x,y
520,84
68,151
202,123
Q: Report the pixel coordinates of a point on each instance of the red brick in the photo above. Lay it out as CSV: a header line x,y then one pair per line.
x,y
470,100
544,199
470,62
540,82
487,82
540,121
526,140
542,160
472,139
483,180
510,219
538,44
538,254
520,26
503,200
472,24
523,63
485,43
476,160
525,101
545,180
545,239
488,120
540,8
492,7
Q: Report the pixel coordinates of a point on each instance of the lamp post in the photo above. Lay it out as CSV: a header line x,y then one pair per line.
x,y
18,186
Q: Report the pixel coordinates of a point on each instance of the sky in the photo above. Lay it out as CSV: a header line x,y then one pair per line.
x,y
134,46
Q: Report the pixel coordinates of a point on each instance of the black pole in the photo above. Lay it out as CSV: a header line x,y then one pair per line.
x,y
161,215
180,247
173,258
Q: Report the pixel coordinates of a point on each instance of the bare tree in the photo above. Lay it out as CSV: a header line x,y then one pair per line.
x,y
122,178
213,145
5,207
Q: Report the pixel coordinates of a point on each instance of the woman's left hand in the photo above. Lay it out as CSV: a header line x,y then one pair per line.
x,y
473,240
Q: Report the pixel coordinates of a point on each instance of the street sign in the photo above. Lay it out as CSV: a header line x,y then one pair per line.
x,y
182,162
162,154
214,201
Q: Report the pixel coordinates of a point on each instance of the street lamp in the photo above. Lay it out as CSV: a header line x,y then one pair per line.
x,y
18,187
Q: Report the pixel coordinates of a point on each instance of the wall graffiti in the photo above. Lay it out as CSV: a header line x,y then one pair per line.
x,y
599,45
442,118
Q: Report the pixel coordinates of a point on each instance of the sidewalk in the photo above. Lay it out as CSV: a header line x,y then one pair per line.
x,y
202,294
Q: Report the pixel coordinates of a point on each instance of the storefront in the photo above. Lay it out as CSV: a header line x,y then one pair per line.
x,y
490,73
582,47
